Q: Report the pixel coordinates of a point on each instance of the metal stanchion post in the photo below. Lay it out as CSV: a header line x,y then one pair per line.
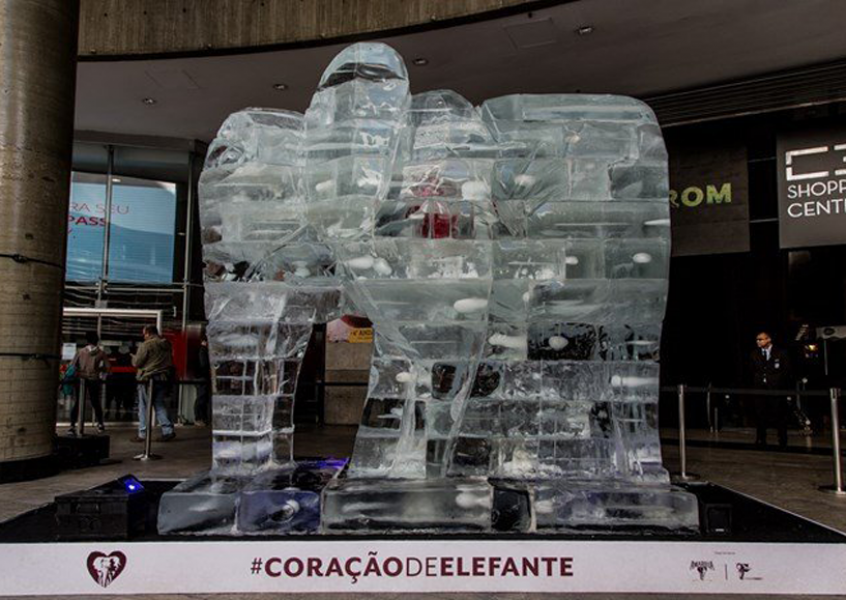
x,y
81,415
837,488
683,475
682,436
708,410
148,438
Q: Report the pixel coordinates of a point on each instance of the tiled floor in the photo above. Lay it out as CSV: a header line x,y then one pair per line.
x,y
786,479
189,453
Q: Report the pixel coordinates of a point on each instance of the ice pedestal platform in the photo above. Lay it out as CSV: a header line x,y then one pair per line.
x,y
567,506
512,502
202,505
503,506
384,505
279,501
286,500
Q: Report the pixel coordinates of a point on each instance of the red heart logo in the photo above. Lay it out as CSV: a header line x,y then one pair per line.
x,y
105,568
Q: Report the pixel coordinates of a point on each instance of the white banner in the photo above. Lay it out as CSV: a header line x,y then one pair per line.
x,y
325,566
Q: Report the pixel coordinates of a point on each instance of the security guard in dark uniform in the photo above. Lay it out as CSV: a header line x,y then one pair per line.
x,y
770,371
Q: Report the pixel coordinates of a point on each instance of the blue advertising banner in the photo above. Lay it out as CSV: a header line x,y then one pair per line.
x,y
141,234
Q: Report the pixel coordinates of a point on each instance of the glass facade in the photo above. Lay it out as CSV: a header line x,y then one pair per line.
x,y
141,232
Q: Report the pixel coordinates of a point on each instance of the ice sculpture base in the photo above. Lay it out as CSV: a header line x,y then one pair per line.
x,y
385,505
765,551
610,508
286,500
202,505
280,501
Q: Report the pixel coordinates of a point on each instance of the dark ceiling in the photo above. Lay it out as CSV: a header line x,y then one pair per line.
x,y
637,47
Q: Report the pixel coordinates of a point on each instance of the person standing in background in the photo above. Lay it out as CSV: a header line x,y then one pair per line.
x,y
770,371
91,368
154,361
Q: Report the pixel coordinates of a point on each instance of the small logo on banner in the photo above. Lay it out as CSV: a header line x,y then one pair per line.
x,y
105,568
702,567
743,572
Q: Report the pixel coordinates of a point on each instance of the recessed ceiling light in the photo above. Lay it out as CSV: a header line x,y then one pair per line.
x,y
420,62
585,30
280,87
149,101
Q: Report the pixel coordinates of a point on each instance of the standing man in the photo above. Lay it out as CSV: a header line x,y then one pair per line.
x,y
770,371
91,367
154,362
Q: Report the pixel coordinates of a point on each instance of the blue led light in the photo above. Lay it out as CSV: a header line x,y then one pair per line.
x,y
131,484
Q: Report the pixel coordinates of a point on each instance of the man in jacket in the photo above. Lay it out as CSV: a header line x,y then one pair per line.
x,y
91,367
770,371
154,363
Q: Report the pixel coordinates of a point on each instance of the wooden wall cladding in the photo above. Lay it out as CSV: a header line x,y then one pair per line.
x,y
116,28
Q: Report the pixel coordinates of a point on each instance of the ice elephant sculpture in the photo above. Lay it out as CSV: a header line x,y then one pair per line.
x,y
513,259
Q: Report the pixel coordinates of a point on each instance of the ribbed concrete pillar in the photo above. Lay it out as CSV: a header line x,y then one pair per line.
x,y
38,40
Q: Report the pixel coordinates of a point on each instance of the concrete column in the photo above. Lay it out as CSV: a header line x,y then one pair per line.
x,y
38,45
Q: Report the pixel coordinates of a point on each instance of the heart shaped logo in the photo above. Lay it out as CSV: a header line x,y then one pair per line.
x,y
105,568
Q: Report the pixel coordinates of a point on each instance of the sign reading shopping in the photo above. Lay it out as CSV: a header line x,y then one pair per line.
x,y
812,188
141,234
